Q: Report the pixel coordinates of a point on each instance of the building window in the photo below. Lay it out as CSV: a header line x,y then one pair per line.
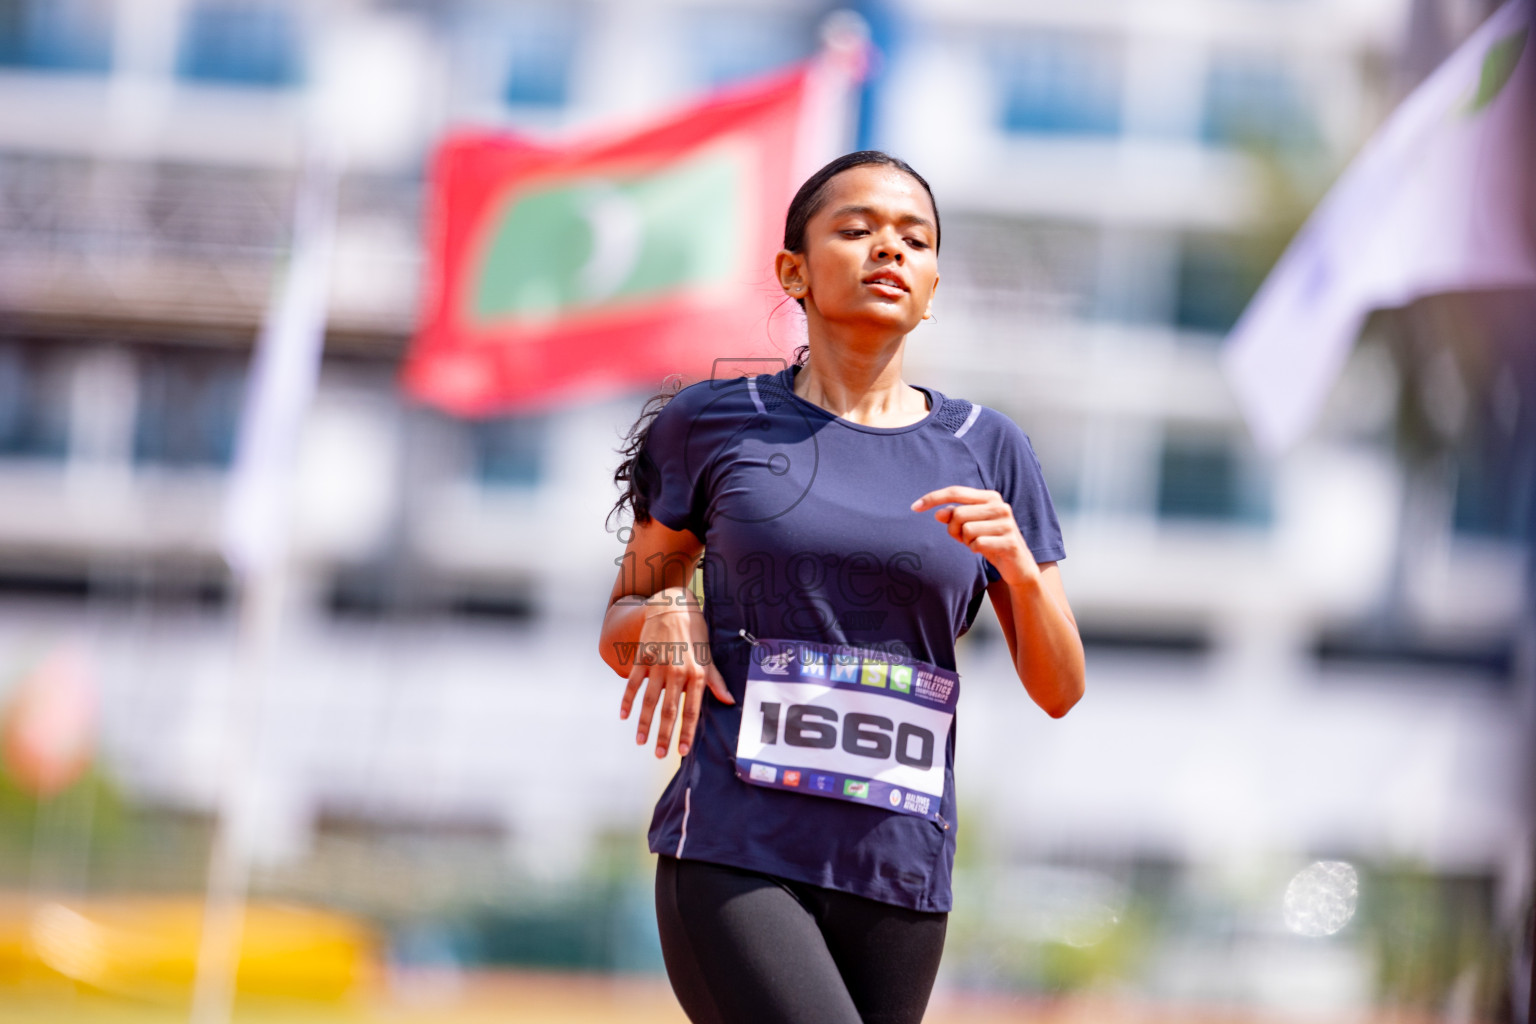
x,y
1059,83
1014,267
508,451
240,43
1060,451
729,46
542,48
1217,277
1494,492
1205,478
188,410
61,35
1253,100
34,403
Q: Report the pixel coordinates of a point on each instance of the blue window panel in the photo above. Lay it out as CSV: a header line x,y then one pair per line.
x,y
729,46
58,35
1254,101
1057,83
34,405
1217,278
1206,479
240,44
508,451
542,52
188,411
1062,479
13,32
1493,492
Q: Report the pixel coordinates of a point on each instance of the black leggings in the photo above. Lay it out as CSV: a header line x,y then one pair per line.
x,y
743,947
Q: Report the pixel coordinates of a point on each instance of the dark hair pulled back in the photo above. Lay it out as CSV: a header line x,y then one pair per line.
x,y
632,475
813,194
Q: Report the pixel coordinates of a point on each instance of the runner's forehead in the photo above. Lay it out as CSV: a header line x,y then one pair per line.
x,y
886,190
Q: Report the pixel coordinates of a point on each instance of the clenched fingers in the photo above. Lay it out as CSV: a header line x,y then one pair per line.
x,y
952,495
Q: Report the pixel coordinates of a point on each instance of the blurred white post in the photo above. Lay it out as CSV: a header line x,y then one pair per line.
x,y
830,112
829,115
285,366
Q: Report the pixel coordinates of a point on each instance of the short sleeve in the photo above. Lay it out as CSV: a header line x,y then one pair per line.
x,y
1015,474
661,473
680,447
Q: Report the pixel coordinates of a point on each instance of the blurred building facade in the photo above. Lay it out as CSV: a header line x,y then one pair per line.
x,y
1317,657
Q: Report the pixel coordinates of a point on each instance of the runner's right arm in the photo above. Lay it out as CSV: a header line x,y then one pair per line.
x,y
655,634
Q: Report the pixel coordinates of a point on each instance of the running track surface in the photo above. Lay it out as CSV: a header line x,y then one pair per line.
x,y
535,998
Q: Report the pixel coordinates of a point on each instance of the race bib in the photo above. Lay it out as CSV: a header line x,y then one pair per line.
x,y
848,723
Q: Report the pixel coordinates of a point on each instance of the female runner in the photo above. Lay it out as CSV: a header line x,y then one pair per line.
x,y
849,524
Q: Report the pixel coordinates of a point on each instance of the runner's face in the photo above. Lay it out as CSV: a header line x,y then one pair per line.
x,y
869,254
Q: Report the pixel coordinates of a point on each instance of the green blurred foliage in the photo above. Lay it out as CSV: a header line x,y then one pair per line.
x,y
89,817
1427,931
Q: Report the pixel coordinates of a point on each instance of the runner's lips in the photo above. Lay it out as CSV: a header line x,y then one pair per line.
x,y
887,277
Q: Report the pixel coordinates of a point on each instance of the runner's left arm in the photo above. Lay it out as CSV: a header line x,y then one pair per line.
x,y
1030,601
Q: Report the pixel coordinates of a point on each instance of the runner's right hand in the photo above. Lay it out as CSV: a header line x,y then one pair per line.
x,y
673,663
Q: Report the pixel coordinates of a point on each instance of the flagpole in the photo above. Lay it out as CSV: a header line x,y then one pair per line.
x,y
284,370
830,111
218,954
1529,206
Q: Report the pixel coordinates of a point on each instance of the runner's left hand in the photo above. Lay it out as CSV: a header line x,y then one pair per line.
x,y
983,522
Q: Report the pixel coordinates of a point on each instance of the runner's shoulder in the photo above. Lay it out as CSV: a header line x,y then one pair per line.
x,y
699,418
981,427
710,396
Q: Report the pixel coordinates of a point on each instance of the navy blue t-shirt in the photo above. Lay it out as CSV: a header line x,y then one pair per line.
x,y
809,534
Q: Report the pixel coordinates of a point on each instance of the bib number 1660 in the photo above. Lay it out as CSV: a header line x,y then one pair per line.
x,y
864,735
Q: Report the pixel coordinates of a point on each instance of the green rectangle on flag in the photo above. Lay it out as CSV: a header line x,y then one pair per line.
x,y
592,242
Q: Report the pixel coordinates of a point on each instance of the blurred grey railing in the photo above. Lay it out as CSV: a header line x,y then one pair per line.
x,y
156,242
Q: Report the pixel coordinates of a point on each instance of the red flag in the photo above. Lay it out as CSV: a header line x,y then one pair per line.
x,y
558,273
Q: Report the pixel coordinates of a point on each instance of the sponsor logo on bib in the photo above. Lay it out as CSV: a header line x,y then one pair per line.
x,y
845,669
764,773
934,687
778,664
853,787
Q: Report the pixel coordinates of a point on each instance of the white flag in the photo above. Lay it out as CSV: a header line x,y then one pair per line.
x,y
282,381
1433,203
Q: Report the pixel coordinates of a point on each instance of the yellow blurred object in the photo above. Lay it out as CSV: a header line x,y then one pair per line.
x,y
146,947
